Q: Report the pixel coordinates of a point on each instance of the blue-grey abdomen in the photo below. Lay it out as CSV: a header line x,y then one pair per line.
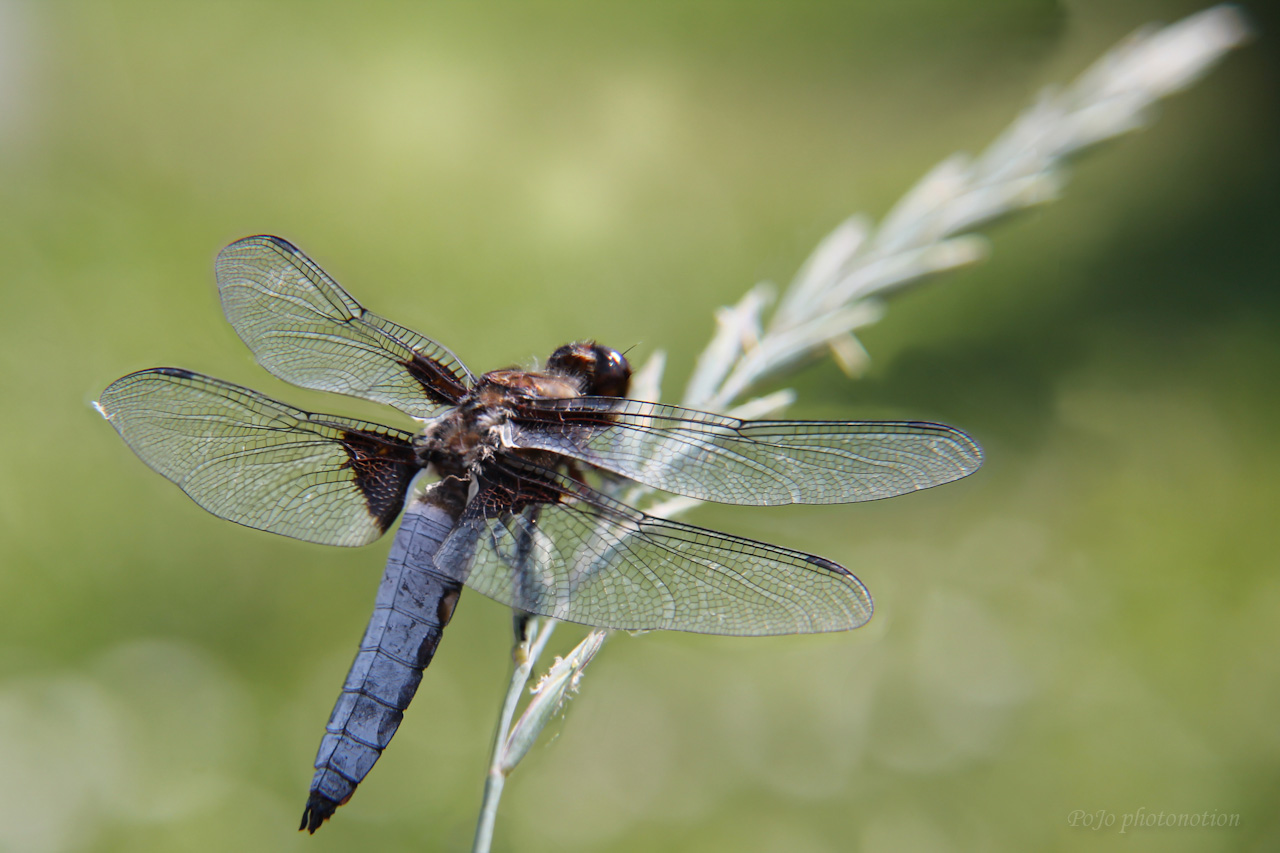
x,y
415,601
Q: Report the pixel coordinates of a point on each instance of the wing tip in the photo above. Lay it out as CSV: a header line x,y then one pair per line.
x,y
859,606
105,402
969,454
226,255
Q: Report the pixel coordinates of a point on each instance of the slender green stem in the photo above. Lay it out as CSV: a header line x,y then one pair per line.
x,y
525,656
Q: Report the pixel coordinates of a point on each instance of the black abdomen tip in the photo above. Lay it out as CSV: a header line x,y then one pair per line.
x,y
319,809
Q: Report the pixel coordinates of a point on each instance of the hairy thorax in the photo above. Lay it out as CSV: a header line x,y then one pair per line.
x,y
470,434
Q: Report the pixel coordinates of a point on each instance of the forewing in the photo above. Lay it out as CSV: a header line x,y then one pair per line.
x,y
761,463
549,545
257,462
303,327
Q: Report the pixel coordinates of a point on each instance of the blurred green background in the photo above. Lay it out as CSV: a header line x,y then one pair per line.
x,y
1090,623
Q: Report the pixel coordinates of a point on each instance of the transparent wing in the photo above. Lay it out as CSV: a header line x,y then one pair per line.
x,y
762,463
546,544
257,462
303,327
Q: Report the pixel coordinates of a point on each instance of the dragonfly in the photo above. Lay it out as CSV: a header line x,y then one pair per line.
x,y
507,486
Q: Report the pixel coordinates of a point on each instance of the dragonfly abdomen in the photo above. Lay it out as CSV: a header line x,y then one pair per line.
x,y
415,601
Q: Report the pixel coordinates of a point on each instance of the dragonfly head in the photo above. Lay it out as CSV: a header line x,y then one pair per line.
x,y
603,372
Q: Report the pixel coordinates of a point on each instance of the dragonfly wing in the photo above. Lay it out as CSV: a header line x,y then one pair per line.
x,y
303,327
249,459
762,463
